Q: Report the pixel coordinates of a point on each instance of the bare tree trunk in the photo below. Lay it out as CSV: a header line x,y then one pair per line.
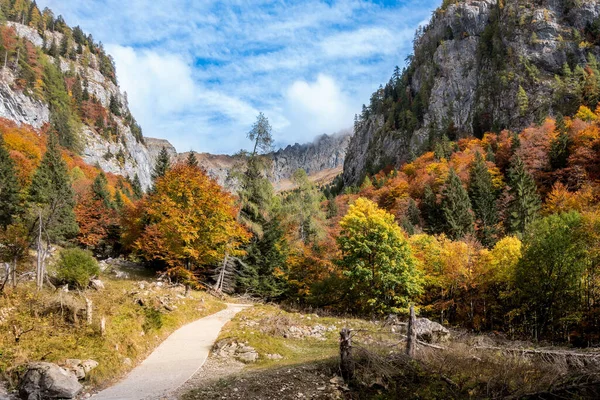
x,y
219,284
346,366
103,326
40,257
14,273
88,310
411,340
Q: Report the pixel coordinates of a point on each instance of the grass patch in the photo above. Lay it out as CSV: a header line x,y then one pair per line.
x,y
136,322
271,330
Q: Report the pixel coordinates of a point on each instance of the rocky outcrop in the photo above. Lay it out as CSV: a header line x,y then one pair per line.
x,y
48,381
468,67
325,153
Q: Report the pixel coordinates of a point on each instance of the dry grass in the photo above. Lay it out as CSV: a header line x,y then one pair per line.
x,y
60,330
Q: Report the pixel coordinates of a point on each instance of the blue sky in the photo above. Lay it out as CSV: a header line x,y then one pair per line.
x,y
198,72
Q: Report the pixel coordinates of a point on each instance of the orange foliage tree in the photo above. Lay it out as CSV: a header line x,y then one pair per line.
x,y
188,221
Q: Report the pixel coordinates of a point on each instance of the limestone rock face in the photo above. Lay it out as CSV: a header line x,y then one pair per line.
x,y
450,62
48,381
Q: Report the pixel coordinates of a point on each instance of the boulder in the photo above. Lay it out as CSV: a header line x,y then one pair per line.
x,y
80,368
431,332
97,284
45,380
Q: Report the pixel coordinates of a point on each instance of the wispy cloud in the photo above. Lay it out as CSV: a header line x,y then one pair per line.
x,y
198,72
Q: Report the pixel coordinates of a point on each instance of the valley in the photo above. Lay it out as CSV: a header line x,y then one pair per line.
x,y
446,246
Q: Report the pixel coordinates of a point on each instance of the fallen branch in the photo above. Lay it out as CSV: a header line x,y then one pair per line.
x,y
540,352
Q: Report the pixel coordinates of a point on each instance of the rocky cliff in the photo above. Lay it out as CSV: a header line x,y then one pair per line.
x,y
478,66
321,159
124,154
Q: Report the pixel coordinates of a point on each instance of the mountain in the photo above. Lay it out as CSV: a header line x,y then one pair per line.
x,y
322,159
56,77
480,66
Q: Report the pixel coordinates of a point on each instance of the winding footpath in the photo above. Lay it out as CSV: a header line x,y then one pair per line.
x,y
175,361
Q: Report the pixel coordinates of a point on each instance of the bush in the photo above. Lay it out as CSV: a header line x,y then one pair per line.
x,y
76,267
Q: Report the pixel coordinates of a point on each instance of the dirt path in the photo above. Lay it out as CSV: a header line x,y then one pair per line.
x,y
173,362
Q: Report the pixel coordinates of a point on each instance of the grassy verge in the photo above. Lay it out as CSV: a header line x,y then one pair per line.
x,y
137,319
298,338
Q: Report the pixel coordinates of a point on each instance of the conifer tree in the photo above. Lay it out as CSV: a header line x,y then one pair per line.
x,y
192,160
456,208
559,147
483,200
525,201
432,212
163,164
118,201
100,190
51,191
9,187
332,208
136,185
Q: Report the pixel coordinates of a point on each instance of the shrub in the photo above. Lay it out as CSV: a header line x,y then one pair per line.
x,y
76,267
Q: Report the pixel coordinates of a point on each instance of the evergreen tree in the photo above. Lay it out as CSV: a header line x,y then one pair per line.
x,y
432,212
192,160
525,201
100,190
559,147
51,191
265,252
9,187
456,208
332,208
115,106
118,201
483,199
163,164
136,185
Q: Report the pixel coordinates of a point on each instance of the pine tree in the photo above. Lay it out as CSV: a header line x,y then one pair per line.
x,y
559,147
163,164
136,185
192,160
456,208
51,190
9,187
413,214
100,190
115,106
332,208
118,201
432,212
522,101
483,199
525,201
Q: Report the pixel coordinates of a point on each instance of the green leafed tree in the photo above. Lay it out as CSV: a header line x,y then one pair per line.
x,y
456,208
549,275
524,201
51,193
302,208
483,197
9,187
377,260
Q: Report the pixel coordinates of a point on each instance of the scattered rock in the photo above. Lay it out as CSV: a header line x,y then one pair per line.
x,y
127,361
48,381
274,356
81,369
233,349
298,332
97,284
431,332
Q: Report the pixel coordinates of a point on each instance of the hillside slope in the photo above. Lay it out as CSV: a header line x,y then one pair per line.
x,y
479,66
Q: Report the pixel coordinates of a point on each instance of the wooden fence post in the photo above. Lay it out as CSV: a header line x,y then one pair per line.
x,y
346,365
411,337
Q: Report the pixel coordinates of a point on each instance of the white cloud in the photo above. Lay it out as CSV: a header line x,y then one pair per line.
x,y
197,73
318,107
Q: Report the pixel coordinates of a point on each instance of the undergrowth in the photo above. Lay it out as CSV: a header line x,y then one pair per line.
x,y
53,325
